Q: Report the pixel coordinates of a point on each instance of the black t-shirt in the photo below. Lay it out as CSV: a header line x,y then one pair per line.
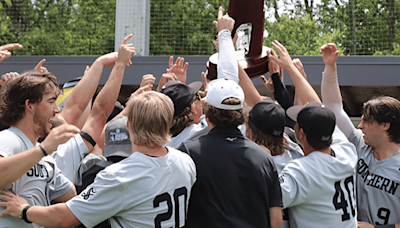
x,y
236,184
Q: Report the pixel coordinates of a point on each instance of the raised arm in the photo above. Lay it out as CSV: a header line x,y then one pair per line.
x,y
146,85
227,63
330,91
105,101
178,68
251,95
305,91
83,92
5,50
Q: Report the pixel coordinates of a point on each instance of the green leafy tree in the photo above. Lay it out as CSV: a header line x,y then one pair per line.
x,y
300,35
189,26
58,27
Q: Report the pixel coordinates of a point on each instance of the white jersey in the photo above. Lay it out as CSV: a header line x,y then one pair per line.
x,y
68,157
378,193
288,155
39,186
139,191
280,162
319,190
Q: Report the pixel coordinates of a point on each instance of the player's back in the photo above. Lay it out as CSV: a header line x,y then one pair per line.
x,y
140,191
319,189
235,184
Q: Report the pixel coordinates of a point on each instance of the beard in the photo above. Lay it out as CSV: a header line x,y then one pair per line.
x,y
42,121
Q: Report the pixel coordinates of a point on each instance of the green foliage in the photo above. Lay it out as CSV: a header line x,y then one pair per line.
x,y
189,23
301,35
184,27
58,27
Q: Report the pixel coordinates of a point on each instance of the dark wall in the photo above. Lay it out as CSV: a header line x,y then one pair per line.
x,y
353,71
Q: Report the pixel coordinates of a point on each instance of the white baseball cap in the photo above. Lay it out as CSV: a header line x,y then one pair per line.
x,y
220,89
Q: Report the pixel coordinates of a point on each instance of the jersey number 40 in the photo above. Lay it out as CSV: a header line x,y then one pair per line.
x,y
341,202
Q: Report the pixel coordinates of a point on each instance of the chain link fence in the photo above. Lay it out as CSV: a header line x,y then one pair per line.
x,y
184,27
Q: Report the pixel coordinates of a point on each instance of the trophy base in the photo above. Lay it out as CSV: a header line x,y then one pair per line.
x,y
254,65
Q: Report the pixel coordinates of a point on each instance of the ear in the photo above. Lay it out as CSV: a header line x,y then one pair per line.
x,y
29,106
193,108
385,126
302,134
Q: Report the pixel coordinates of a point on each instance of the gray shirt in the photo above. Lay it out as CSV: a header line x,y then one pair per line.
x,y
378,193
139,191
39,186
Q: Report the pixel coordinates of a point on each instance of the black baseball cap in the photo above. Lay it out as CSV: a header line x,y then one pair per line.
x,y
315,119
181,94
269,117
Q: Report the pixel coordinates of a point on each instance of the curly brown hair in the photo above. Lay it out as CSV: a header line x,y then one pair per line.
x,y
30,86
225,118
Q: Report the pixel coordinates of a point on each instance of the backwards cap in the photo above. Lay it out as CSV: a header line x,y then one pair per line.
x,y
180,94
269,117
220,89
317,121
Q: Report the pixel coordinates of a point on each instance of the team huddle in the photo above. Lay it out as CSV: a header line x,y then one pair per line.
x,y
181,157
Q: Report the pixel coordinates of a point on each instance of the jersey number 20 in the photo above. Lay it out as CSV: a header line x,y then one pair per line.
x,y
165,197
339,200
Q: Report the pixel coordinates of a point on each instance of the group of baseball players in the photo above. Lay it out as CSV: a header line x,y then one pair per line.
x,y
222,157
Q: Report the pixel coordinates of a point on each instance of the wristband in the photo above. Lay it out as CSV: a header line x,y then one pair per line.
x,y
20,212
44,152
88,138
385,226
24,210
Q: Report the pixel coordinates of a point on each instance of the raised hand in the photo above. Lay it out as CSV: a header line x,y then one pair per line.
x,y
148,79
205,84
268,83
224,21
7,76
40,68
166,78
141,90
126,51
283,60
178,68
329,53
5,50
299,65
9,47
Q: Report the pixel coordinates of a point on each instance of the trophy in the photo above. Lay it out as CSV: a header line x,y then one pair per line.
x,y
254,58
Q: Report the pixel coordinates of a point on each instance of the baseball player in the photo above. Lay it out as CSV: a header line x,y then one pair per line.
x,y
27,105
377,143
150,188
237,183
321,183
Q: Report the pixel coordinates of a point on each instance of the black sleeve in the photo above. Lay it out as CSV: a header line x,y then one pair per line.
x,y
282,96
